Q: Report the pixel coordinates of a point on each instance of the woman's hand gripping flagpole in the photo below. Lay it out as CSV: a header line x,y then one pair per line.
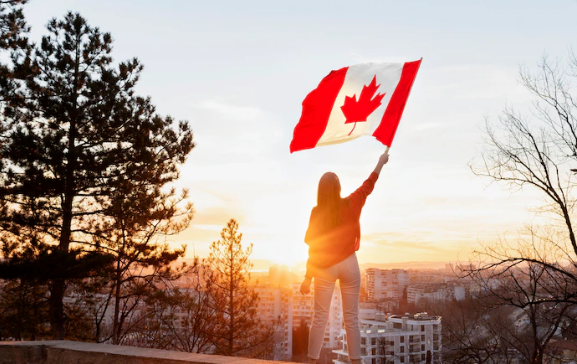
x,y
383,159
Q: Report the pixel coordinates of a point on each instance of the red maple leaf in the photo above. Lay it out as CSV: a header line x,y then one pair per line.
x,y
358,111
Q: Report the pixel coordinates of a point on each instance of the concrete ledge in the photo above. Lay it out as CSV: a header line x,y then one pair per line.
x,y
72,352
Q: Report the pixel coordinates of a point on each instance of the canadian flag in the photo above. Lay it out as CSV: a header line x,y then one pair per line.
x,y
364,99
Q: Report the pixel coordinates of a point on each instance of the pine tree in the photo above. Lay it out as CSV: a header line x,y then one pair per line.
x,y
13,43
74,133
237,328
12,24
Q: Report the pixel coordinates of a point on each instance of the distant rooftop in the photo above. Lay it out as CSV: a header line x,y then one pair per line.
x,y
421,316
418,316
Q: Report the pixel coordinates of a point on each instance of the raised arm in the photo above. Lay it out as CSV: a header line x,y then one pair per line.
x,y
383,159
360,195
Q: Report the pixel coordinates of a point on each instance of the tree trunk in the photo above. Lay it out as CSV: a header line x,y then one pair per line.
x,y
57,309
538,359
58,284
231,300
116,324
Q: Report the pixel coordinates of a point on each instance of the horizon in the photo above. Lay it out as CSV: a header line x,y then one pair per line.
x,y
263,265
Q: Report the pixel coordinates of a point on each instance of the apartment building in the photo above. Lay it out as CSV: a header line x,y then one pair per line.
x,y
385,283
302,308
436,292
275,309
426,276
429,292
397,339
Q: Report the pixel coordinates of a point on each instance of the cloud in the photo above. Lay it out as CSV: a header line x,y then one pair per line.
x,y
408,245
417,241
239,113
227,129
215,218
362,58
399,247
427,127
473,82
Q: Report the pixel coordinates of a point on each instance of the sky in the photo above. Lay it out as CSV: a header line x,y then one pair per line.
x,y
238,72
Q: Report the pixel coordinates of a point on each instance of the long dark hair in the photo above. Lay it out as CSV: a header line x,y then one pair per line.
x,y
329,202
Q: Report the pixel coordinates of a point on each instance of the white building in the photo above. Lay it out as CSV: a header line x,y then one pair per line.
x,y
436,292
429,292
303,308
397,339
460,293
385,283
335,325
367,310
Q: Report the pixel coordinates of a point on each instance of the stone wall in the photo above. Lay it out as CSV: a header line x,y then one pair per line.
x,y
71,352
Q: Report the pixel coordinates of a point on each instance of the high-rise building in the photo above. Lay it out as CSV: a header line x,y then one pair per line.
x,y
397,339
303,307
275,309
385,283
335,324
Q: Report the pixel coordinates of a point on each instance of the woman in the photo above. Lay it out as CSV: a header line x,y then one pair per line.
x,y
333,236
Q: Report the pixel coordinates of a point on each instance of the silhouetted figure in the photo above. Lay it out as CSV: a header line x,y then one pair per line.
x,y
333,236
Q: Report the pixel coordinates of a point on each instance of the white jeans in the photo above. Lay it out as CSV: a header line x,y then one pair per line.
x,y
349,276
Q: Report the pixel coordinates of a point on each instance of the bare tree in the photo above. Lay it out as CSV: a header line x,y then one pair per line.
x,y
539,152
23,310
537,318
536,150
181,317
385,357
466,337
